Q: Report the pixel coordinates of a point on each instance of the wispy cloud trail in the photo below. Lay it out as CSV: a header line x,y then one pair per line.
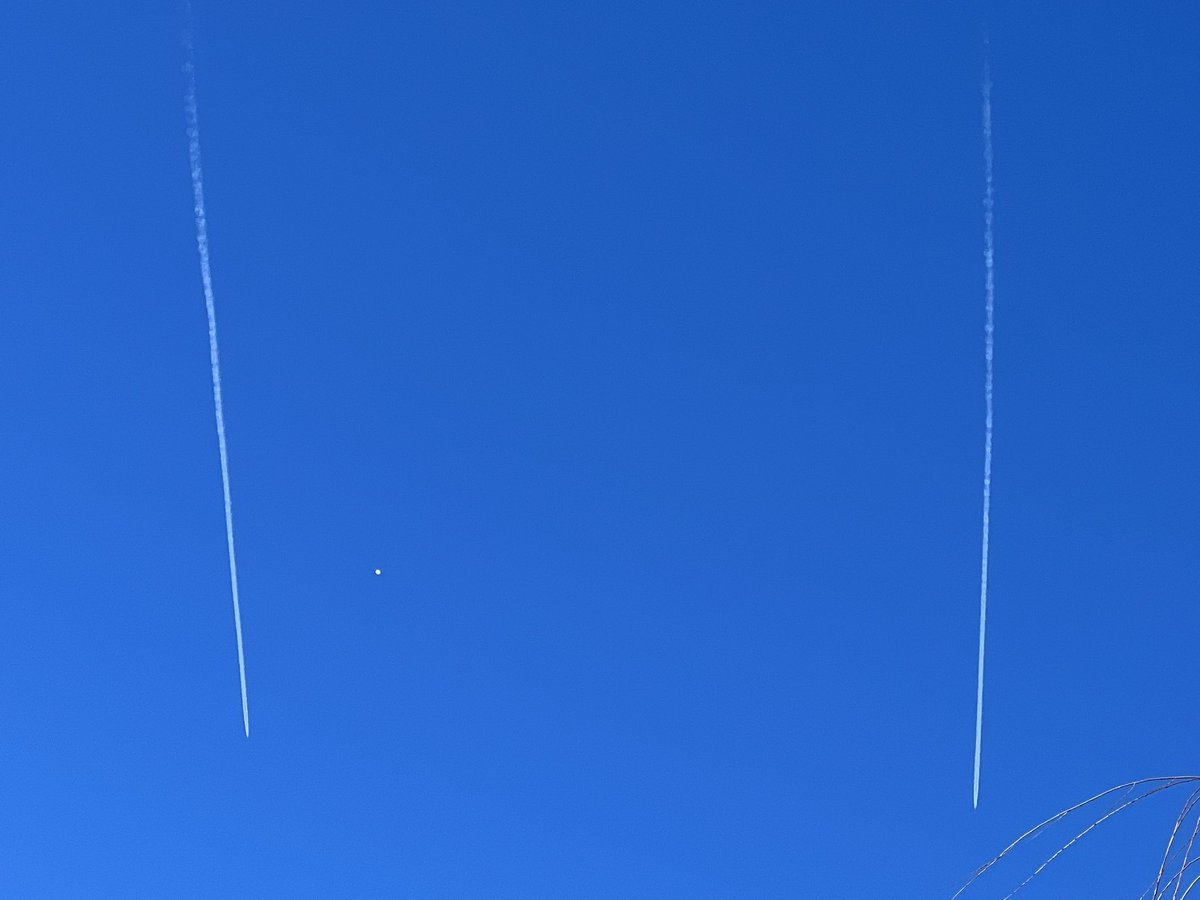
x,y
193,130
989,290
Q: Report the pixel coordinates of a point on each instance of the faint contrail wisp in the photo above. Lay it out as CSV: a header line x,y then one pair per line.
x,y
988,329
193,130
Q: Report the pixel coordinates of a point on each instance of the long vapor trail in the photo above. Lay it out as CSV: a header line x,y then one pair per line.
x,y
193,130
989,291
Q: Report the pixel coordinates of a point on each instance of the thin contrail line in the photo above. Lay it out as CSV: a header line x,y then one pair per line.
x,y
988,262
193,129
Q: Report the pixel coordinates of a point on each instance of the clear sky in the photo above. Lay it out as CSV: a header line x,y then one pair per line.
x,y
640,346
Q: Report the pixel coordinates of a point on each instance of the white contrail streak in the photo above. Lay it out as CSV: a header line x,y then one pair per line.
x,y
193,130
989,290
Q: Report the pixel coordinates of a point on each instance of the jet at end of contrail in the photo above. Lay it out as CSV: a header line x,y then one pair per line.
x,y
193,131
989,328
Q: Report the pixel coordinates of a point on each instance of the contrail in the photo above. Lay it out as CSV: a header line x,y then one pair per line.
x,y
193,130
989,290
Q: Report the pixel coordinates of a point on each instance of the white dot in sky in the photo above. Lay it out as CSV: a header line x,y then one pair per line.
x,y
377,572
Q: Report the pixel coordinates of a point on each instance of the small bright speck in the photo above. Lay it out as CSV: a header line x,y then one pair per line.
x,y
377,572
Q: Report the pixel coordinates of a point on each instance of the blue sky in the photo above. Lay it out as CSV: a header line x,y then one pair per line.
x,y
640,347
